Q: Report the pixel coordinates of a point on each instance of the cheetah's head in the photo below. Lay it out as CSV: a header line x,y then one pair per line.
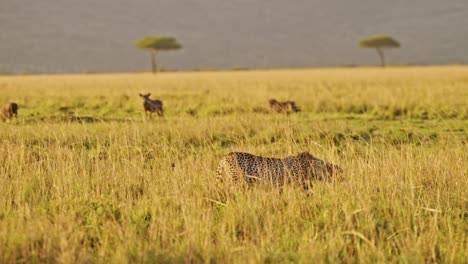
x,y
272,102
320,165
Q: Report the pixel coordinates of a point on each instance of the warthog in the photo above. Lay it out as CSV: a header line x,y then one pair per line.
x,y
286,107
8,111
152,106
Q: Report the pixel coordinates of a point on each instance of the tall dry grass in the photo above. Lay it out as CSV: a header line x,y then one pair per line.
x,y
113,188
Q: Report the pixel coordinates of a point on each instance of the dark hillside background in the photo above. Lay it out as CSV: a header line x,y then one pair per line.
x,y
98,35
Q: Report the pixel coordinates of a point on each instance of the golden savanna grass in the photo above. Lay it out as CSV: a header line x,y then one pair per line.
x,y
83,178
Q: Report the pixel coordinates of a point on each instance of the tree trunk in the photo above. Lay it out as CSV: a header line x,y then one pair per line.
x,y
153,61
381,55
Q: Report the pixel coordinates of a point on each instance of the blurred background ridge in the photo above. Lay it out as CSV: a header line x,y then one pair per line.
x,y
97,36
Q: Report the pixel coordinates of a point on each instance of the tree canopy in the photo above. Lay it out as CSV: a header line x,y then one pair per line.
x,y
158,43
379,42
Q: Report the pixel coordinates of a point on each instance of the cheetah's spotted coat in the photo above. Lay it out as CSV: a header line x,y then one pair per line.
x,y
251,168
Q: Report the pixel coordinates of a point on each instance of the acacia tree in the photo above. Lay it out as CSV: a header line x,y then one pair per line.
x,y
379,43
156,44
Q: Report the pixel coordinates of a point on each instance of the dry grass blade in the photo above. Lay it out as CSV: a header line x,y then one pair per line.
x,y
359,235
431,210
216,202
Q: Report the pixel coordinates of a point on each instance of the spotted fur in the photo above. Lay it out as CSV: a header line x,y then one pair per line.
x,y
8,111
244,166
283,107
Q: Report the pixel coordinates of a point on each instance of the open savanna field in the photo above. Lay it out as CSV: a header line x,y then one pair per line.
x,y
84,178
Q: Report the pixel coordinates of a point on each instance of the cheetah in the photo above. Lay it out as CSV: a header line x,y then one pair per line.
x,y
8,111
250,168
151,106
286,107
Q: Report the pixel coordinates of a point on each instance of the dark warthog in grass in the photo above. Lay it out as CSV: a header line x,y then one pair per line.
x,y
8,111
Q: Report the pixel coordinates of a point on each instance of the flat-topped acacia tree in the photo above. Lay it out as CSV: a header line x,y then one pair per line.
x,y
379,43
156,44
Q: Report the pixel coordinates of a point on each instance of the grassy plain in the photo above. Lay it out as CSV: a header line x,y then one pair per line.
x,y
84,179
